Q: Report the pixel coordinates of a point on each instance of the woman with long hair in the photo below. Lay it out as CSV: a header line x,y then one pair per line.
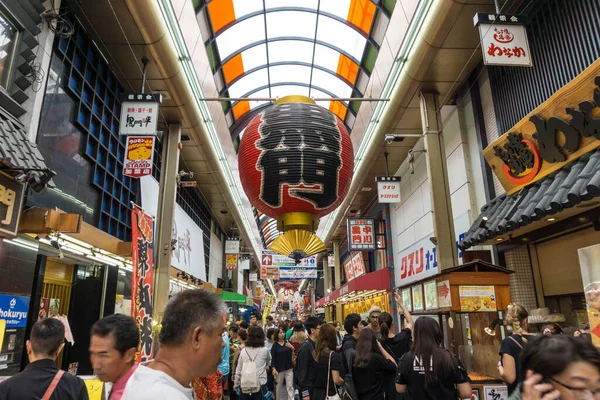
x,y
281,364
370,365
559,367
428,371
328,364
338,333
298,337
512,346
254,350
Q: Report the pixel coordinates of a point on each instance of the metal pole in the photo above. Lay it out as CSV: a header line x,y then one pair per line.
x,y
145,62
387,170
274,99
497,4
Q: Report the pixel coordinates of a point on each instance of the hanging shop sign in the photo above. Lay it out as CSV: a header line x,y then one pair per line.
x,y
139,154
273,259
331,261
231,261
443,292
503,39
388,189
269,301
11,202
477,298
139,114
296,273
253,277
562,129
269,272
232,246
361,234
142,237
354,267
244,263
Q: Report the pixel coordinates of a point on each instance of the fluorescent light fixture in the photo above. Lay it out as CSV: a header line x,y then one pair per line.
x,y
196,87
390,86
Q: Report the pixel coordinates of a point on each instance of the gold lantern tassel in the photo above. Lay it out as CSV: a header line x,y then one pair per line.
x,y
297,244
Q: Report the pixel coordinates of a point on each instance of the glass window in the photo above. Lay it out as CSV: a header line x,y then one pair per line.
x,y
290,50
240,35
291,24
8,37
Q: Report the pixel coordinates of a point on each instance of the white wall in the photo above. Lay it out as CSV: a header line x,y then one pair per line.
x,y
216,263
412,219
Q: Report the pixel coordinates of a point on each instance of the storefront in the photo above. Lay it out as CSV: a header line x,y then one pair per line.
x,y
358,296
237,305
549,165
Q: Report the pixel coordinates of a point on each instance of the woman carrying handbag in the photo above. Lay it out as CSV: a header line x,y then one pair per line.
x,y
329,365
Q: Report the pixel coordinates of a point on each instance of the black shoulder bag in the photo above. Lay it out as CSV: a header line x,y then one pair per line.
x,y
348,391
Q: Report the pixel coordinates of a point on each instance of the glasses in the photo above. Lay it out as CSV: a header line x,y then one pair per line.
x,y
580,393
374,316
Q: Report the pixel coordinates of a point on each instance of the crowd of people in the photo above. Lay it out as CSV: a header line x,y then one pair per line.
x,y
200,357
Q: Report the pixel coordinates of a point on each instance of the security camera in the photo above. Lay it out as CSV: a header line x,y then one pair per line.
x,y
389,139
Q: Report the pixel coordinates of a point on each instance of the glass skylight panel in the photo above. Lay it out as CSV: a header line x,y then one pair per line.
x,y
312,4
239,35
338,8
248,83
331,83
326,57
291,24
286,90
261,93
289,73
341,36
317,94
245,7
290,50
254,57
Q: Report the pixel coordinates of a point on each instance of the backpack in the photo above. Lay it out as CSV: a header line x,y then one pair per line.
x,y
249,381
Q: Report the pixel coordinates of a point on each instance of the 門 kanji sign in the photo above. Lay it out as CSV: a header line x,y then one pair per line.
x,y
503,39
361,234
139,113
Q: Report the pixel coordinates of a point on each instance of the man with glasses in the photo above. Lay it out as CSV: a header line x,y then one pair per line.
x,y
304,373
374,313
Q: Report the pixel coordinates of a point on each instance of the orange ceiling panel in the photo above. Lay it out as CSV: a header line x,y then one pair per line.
x,y
361,14
221,13
338,109
233,68
241,108
347,69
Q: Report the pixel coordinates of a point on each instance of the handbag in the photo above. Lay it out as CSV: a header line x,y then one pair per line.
x,y
348,390
53,385
327,396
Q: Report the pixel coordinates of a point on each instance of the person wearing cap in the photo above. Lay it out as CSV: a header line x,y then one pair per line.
x,y
374,313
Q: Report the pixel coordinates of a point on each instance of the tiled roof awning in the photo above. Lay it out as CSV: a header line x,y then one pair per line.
x,y
17,153
566,188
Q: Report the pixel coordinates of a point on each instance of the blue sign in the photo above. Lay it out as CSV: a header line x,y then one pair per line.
x,y
13,309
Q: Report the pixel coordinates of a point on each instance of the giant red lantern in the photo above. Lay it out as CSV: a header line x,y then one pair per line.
x,y
296,164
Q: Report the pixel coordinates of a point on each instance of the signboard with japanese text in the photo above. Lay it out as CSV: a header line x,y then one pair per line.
x,y
13,310
419,261
354,266
443,293
11,202
349,270
243,263
361,234
477,298
503,40
253,277
296,273
272,259
499,392
388,189
532,149
139,154
269,300
269,272
231,261
232,246
139,114
331,261
142,237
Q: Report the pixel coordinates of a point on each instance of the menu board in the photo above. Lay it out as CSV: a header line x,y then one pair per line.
x,y
406,299
477,298
417,297
431,300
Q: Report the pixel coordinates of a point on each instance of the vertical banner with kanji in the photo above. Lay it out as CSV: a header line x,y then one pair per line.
x,y
142,233
361,234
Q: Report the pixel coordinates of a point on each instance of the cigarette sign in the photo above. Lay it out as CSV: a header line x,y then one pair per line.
x,y
139,154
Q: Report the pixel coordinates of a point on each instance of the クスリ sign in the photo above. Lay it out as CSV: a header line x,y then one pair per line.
x,y
13,309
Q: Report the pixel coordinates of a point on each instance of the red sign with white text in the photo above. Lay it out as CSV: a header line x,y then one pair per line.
x,y
361,234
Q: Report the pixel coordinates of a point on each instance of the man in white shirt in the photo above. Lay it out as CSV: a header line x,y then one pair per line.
x,y
190,347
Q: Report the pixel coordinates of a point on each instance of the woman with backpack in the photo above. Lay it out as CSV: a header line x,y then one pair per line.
x,y
370,366
511,348
281,364
251,371
430,372
328,365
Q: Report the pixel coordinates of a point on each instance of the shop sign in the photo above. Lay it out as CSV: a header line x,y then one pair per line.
x,y
431,298
269,272
296,273
361,234
419,261
142,235
503,40
388,189
269,300
407,299
417,297
11,202
139,114
443,292
272,259
331,261
475,395
253,276
477,298
231,261
244,264
139,154
495,392
354,267
232,246
559,131
13,310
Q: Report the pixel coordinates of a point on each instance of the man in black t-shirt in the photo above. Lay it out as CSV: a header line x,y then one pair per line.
x,y
353,327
